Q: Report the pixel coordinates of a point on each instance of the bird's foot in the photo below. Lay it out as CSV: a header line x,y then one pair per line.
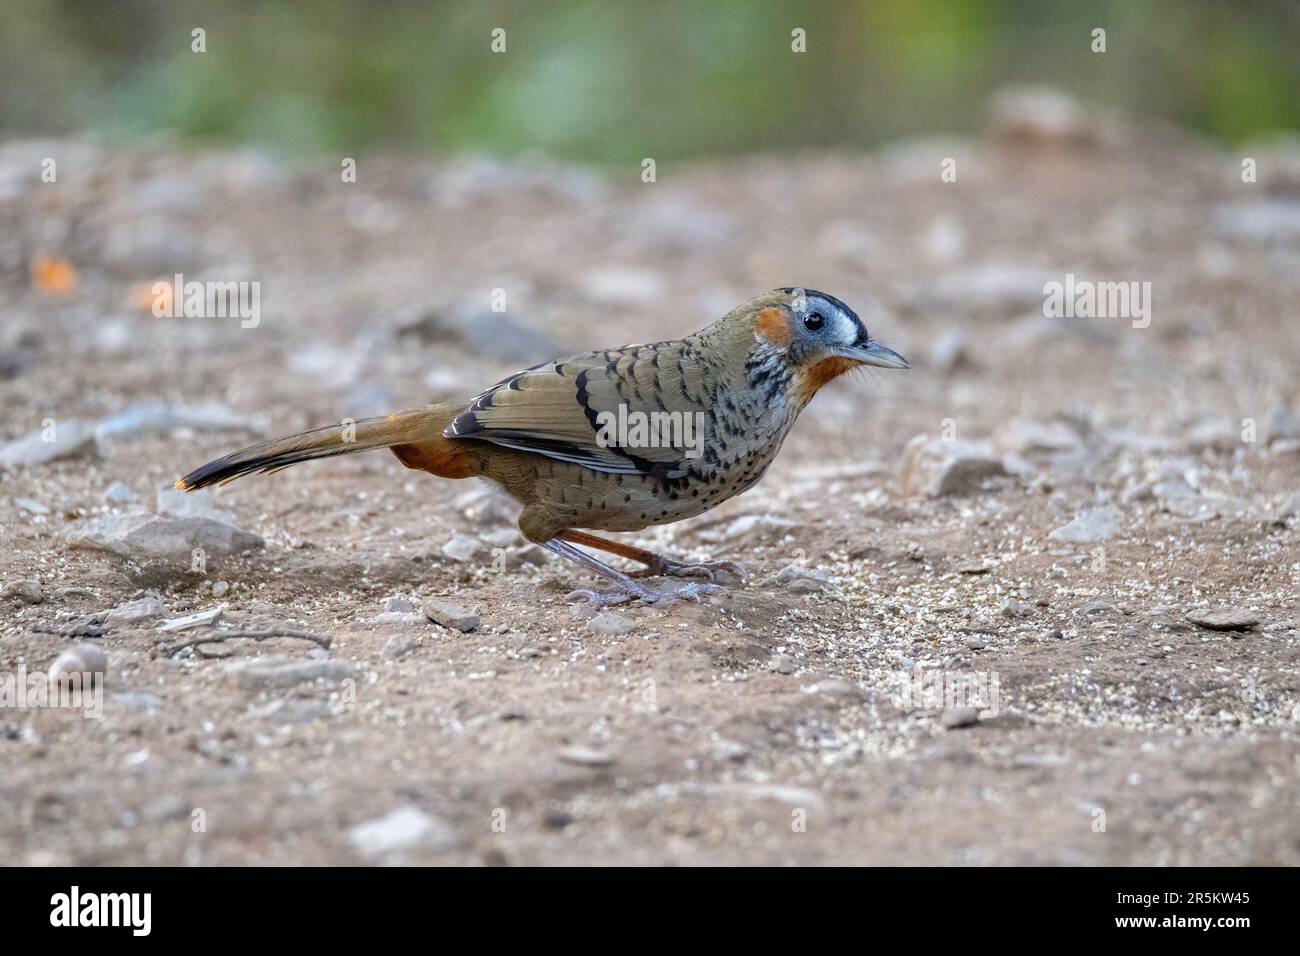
x,y
713,570
692,591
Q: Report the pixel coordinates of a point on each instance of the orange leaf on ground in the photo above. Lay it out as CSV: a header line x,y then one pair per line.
x,y
53,275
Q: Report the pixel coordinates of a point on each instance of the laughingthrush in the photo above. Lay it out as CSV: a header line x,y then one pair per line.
x,y
619,439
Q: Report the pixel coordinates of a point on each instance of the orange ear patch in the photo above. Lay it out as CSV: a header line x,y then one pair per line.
x,y
772,325
812,378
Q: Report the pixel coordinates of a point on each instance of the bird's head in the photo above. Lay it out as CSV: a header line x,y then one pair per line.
x,y
815,337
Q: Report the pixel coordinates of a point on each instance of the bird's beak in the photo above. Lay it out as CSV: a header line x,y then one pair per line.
x,y
873,353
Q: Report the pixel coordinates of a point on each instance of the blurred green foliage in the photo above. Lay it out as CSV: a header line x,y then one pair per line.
x,y
615,81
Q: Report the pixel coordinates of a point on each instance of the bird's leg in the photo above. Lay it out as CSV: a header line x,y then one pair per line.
x,y
628,588
655,564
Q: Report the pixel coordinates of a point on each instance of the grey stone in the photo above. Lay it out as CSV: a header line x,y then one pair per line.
x,y
954,717
406,828
152,417
836,689
220,589
23,591
174,503
585,756
462,547
30,506
279,671
1266,221
451,615
399,604
611,624
1224,619
143,609
142,535
118,493
83,659
1014,608
802,579
933,468
783,664
1094,524
399,645
206,618
70,439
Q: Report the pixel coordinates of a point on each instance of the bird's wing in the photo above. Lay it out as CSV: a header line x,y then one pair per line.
x,y
570,409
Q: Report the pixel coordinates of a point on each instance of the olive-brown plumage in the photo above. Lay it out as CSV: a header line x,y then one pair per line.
x,y
619,439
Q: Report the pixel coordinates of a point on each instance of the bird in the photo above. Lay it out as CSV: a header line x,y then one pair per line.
x,y
620,439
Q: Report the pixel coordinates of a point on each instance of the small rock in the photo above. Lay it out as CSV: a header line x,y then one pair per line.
x,y
280,671
1094,524
1014,608
220,588
399,645
611,624
142,535
65,440
462,547
400,617
152,417
397,604
30,506
1283,425
84,659
1289,508
406,828
840,690
976,643
1224,619
954,717
556,819
451,615
23,591
931,467
802,579
585,756
175,503
783,664
118,494
1267,221
190,621
144,609
729,751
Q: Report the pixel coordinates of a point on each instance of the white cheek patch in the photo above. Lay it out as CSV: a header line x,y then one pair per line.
x,y
844,330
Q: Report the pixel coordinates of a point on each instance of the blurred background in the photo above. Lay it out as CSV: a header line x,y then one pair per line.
x,y
595,82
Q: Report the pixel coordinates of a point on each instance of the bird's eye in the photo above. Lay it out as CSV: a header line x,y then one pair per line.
x,y
814,321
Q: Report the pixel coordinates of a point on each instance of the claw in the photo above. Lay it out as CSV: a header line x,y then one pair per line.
x,y
599,600
693,591
681,569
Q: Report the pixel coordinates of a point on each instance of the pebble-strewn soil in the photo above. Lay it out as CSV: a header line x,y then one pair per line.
x,y
789,720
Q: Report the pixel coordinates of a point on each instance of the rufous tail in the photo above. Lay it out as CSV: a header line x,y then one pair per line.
x,y
415,436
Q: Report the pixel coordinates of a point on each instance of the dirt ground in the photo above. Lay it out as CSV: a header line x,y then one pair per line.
x,y
785,721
